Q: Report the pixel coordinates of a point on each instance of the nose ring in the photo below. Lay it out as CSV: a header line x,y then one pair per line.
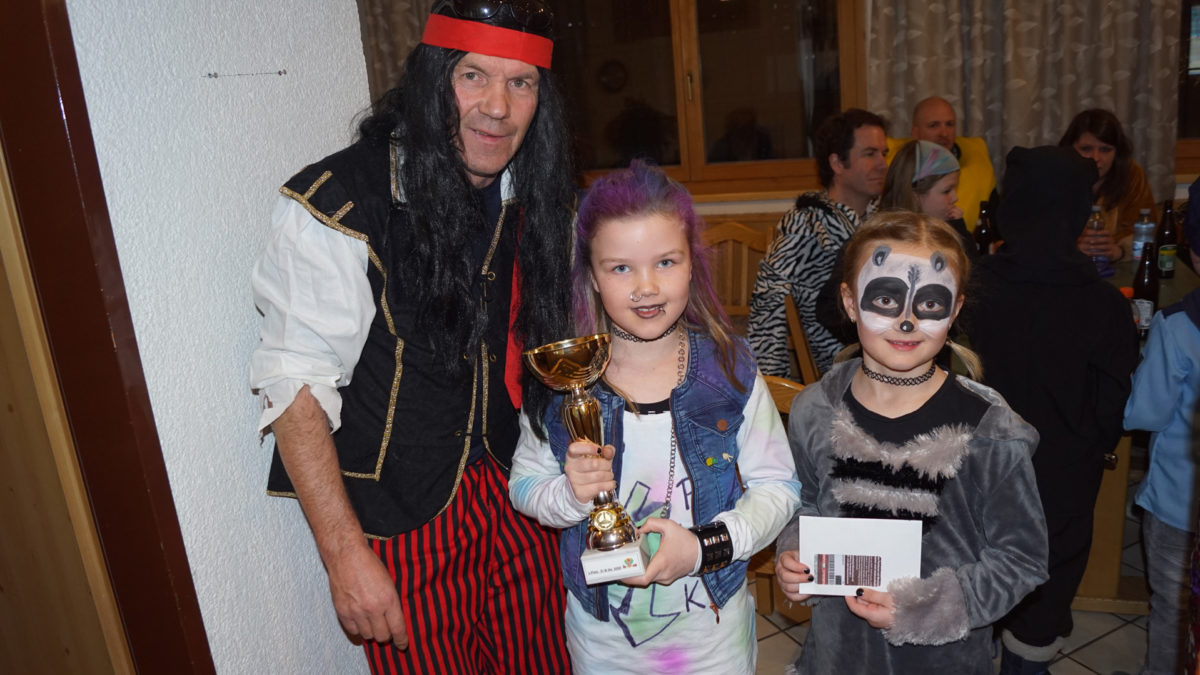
x,y
634,297
907,327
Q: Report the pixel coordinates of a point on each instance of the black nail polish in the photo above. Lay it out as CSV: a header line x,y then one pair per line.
x,y
859,592
811,577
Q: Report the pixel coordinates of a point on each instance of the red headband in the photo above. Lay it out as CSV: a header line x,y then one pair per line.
x,y
481,38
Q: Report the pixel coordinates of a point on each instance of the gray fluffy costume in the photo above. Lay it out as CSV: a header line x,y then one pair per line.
x,y
985,549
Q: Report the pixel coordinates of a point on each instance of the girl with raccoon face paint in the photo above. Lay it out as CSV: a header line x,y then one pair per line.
x,y
891,435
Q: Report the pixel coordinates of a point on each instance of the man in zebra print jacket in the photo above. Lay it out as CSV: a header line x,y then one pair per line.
x,y
851,154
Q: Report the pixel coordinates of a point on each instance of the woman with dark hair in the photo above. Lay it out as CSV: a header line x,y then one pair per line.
x,y
1122,190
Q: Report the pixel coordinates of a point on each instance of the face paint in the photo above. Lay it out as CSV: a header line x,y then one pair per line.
x,y
906,293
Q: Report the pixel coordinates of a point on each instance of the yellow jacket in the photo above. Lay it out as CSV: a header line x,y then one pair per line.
x,y
976,180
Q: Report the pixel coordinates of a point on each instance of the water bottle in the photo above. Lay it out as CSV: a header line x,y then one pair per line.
x,y
1095,223
1143,233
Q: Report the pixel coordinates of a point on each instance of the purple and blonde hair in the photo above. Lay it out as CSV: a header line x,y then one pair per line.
x,y
643,190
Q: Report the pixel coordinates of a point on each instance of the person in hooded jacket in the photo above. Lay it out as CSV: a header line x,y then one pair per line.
x,y
1059,344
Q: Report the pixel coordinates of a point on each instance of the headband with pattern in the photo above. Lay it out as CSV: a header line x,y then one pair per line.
x,y
933,160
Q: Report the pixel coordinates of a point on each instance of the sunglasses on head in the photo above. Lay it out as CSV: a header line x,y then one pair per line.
x,y
531,14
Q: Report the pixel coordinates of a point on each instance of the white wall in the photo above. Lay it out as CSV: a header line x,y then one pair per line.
x,y
191,165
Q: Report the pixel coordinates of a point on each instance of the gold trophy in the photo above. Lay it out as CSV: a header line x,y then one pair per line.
x,y
614,549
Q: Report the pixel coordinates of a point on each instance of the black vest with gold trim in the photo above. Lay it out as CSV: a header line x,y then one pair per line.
x,y
407,425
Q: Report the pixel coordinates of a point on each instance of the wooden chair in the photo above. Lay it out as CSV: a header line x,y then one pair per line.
x,y
762,565
799,337
783,391
737,250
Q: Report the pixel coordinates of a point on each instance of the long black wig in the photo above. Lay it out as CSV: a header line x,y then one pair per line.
x,y
420,115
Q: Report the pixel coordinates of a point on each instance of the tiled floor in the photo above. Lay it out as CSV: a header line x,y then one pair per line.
x,y
1100,643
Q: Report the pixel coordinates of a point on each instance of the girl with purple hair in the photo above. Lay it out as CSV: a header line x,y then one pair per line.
x,y
698,455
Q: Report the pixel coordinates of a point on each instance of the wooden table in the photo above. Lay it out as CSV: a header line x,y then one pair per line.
x,y
1170,291
1104,588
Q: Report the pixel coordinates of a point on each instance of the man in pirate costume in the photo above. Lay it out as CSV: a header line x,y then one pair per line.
x,y
402,277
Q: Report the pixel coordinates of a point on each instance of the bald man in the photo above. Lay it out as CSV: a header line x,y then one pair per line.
x,y
933,120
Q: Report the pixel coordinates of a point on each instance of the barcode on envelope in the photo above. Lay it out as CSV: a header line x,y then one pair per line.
x,y
848,570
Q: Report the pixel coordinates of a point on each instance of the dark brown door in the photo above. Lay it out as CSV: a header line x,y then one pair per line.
x,y
59,204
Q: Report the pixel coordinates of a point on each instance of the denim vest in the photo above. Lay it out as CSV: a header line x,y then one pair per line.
x,y
707,412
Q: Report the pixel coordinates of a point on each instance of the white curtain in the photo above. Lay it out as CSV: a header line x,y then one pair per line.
x,y
1017,71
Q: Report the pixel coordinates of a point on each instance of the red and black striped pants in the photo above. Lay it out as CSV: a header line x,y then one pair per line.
x,y
480,586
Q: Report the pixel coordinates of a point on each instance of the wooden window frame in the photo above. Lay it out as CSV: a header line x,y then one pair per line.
x,y
1187,157
1187,150
766,179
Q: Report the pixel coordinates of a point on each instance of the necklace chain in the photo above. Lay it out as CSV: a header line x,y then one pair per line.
x,y
625,335
899,381
681,368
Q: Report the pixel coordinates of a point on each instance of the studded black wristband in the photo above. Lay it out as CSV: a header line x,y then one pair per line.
x,y
716,548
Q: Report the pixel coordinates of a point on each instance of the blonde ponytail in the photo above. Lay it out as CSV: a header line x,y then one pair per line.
x,y
969,359
847,352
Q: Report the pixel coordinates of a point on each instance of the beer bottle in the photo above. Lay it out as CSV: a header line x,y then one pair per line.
x,y
1145,288
1168,242
984,234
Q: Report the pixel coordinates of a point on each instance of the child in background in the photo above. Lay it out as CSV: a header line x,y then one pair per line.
x,y
687,414
923,177
891,435
1163,401
1166,386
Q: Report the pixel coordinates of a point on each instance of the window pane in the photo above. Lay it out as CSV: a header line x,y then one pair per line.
x,y
613,60
770,70
1189,76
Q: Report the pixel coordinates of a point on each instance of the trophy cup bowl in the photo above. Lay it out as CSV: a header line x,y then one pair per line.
x,y
572,366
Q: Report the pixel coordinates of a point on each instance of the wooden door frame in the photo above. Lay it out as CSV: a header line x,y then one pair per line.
x,y
46,137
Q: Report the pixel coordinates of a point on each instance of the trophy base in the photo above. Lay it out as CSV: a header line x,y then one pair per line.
x,y
627,560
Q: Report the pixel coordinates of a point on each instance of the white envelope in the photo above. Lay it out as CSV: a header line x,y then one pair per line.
x,y
846,554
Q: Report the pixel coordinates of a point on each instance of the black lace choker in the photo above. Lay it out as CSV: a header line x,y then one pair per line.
x,y
899,381
616,330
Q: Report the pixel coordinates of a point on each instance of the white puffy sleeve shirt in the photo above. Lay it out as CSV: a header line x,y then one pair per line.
x,y
311,286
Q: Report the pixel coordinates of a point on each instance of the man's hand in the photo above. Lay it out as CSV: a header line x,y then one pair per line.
x,y
589,469
678,550
364,594
365,599
790,573
875,607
